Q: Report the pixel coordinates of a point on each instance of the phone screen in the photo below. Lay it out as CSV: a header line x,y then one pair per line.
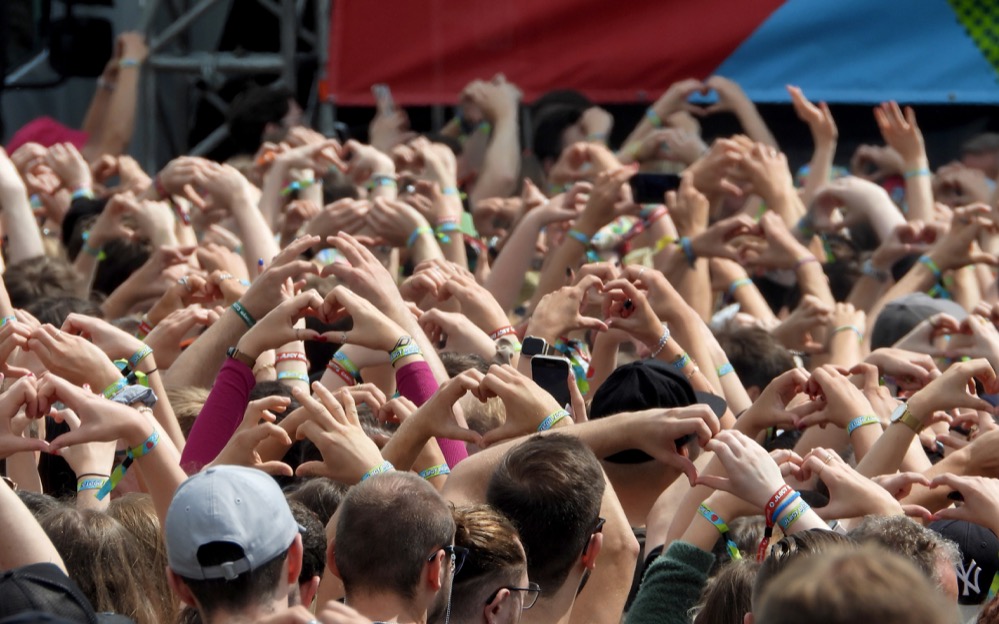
x,y
552,374
650,188
383,98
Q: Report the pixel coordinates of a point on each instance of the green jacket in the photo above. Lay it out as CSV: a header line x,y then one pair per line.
x,y
672,586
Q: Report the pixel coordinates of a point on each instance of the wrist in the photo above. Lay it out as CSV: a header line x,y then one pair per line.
x,y
248,346
541,330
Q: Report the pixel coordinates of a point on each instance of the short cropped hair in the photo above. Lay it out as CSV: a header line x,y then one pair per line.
x,y
755,355
867,585
551,488
388,526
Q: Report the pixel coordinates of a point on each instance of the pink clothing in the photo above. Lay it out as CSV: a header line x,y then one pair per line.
x,y
416,382
223,412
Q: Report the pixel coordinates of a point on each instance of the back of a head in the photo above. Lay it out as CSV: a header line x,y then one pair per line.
x,y
321,495
866,585
551,488
728,595
549,126
755,354
930,552
387,528
495,559
105,560
250,113
38,278
313,541
137,513
790,549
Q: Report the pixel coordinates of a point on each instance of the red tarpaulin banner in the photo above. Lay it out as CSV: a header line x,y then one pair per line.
x,y
428,50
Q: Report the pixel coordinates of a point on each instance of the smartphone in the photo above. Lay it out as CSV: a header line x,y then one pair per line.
x,y
552,373
650,188
383,98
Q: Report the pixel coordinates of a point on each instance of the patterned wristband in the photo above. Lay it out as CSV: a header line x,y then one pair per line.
x,y
417,233
860,421
244,314
435,471
377,470
725,369
291,356
91,484
401,352
115,388
502,331
551,419
296,375
680,362
143,352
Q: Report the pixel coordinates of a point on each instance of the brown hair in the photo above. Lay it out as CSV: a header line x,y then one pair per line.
x,y
137,513
105,560
728,595
871,585
187,402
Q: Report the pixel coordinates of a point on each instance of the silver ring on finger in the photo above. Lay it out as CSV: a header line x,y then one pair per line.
x,y
186,283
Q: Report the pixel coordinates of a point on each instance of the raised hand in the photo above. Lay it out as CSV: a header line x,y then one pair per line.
x,y
256,427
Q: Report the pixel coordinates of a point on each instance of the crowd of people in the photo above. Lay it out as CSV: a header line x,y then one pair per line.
x,y
313,383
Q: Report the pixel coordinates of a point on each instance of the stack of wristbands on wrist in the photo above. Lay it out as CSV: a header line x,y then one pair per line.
x,y
785,502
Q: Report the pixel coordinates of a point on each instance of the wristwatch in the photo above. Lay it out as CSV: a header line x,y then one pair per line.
x,y
239,356
904,416
536,346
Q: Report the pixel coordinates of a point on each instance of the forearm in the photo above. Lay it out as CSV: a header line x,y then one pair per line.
x,y
94,119
24,240
812,281
752,122
270,193
163,411
507,276
919,190
200,362
865,293
819,169
22,469
965,290
258,239
886,455
220,416
936,499
498,177
119,122
24,542
425,247
603,360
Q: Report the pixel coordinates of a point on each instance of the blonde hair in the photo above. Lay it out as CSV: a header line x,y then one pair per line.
x,y
187,402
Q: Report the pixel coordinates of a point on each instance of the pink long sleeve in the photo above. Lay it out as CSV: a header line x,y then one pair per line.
x,y
416,382
220,417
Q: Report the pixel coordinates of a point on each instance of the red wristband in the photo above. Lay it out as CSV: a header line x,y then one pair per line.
x,y
342,373
775,500
502,331
291,356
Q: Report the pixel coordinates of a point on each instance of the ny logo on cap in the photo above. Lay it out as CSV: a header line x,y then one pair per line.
x,y
965,576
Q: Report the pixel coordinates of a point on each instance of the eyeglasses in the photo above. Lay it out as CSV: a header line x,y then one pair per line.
x,y
596,529
458,552
531,593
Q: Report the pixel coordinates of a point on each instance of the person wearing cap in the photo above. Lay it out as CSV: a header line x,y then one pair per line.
x,y
233,547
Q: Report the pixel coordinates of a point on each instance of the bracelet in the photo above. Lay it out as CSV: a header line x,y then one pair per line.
x,y
791,518
435,471
404,351
803,261
663,339
291,356
870,270
83,192
119,471
91,251
417,233
657,214
125,63
296,375
145,328
91,484
681,361
502,331
931,265
784,506
36,202
853,328
298,185
449,190
688,250
586,242
379,469
653,117
860,421
342,373
734,286
775,500
83,475
551,419
442,231
725,369
915,173
379,180
143,352
715,519
244,314
8,319
344,362
115,388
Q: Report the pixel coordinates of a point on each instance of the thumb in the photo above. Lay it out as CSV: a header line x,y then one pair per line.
x,y
276,468
313,469
917,511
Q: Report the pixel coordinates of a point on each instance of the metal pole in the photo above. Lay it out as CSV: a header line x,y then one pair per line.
x,y
180,24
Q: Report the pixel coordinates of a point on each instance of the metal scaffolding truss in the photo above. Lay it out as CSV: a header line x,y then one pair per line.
x,y
175,71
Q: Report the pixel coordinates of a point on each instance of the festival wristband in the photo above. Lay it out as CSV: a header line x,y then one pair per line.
x,y
796,513
775,500
295,375
83,192
680,362
715,519
725,369
551,419
91,484
381,180
932,266
853,328
653,117
143,352
435,471
346,364
916,173
291,356
244,314
785,504
119,471
405,351
734,286
861,421
442,231
340,372
417,233
502,331
115,388
7,319
377,470
688,250
298,185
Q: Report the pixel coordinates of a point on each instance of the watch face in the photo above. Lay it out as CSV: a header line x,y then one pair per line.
x,y
533,346
897,414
